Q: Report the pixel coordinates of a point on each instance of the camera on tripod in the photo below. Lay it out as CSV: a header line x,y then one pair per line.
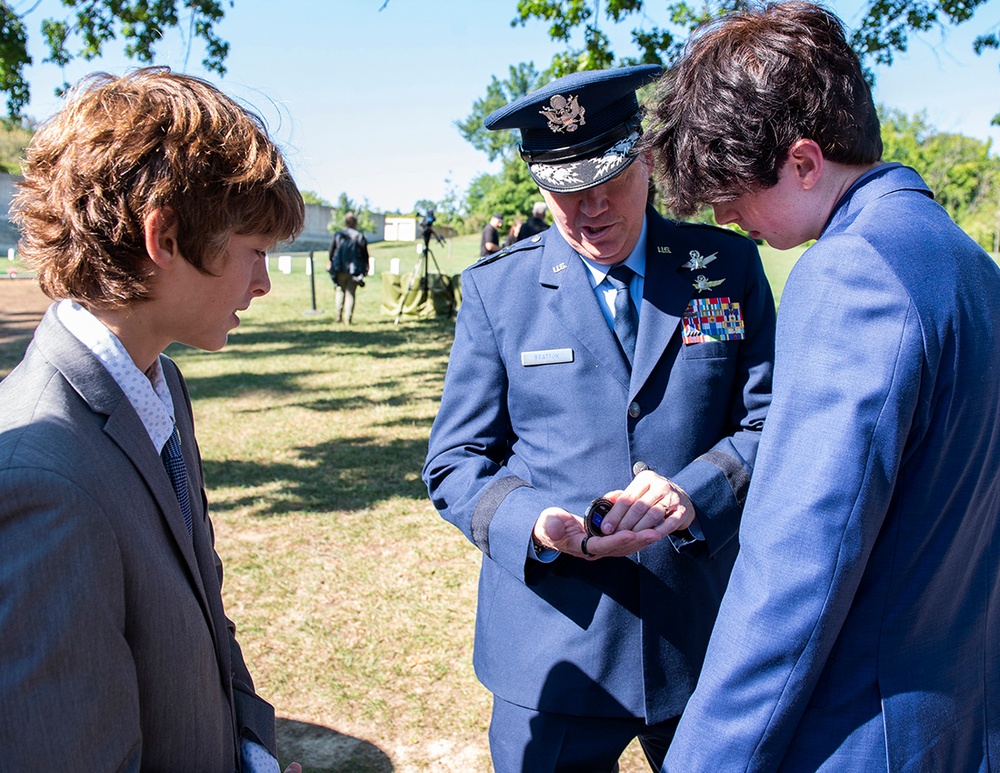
x,y
427,228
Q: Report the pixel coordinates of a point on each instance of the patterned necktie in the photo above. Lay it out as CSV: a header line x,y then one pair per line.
x,y
626,319
176,469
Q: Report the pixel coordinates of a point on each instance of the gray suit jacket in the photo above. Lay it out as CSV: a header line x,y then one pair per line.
x,y
115,652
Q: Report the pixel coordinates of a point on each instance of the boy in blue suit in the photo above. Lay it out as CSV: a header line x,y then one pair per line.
x,y
860,629
562,387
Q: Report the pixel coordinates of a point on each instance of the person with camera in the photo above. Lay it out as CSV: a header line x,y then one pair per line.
x,y
348,266
617,355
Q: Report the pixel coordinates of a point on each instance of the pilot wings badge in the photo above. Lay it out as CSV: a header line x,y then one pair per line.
x,y
564,114
703,283
699,261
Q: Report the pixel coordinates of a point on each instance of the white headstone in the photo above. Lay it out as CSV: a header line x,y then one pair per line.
x,y
285,264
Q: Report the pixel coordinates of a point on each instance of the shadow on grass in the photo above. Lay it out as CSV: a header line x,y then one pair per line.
x,y
381,340
347,475
323,750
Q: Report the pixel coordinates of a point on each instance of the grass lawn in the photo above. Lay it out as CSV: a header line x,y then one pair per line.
x,y
354,601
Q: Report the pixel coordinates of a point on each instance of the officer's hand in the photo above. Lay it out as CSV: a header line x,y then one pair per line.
x,y
559,529
650,502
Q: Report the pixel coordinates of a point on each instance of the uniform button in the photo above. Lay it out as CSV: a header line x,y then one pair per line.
x,y
536,238
639,467
633,410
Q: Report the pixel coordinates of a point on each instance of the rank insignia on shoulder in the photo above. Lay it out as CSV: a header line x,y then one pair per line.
x,y
698,260
712,319
702,283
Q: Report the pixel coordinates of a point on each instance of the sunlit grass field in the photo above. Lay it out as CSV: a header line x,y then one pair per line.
x,y
354,601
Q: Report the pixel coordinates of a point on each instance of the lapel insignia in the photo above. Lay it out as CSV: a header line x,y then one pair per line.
x,y
703,283
699,261
564,114
663,250
560,267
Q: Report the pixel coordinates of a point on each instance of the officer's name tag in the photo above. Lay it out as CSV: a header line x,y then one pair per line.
x,y
546,357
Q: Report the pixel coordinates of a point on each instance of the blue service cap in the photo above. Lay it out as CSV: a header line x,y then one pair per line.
x,y
580,130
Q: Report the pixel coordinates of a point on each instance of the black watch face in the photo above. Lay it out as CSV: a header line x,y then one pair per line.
x,y
594,516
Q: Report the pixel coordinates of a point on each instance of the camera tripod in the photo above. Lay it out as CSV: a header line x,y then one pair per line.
x,y
420,274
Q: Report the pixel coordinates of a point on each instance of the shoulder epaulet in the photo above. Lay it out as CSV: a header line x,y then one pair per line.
x,y
516,247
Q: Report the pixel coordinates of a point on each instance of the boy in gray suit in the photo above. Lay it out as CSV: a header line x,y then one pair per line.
x,y
147,208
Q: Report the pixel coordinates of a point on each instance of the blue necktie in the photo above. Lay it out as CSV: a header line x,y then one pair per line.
x,y
176,469
626,319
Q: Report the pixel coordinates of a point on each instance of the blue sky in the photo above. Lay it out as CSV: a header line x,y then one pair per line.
x,y
364,100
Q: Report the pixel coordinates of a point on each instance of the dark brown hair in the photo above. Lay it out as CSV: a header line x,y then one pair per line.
x,y
748,86
123,147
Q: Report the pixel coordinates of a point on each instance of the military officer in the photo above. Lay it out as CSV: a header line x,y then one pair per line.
x,y
617,354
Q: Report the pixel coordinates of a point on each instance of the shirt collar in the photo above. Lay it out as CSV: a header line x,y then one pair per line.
x,y
147,392
635,261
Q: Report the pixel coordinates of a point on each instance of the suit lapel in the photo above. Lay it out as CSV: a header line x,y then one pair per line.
x,y
575,305
88,377
665,295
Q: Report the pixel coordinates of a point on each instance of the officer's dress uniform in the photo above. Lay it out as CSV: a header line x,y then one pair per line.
x,y
541,409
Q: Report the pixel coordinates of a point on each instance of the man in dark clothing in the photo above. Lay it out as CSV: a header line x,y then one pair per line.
x,y
348,266
536,223
491,236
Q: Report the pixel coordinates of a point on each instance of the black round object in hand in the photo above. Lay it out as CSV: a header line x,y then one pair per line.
x,y
594,516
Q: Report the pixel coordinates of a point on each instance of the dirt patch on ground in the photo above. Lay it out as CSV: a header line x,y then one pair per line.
x,y
22,305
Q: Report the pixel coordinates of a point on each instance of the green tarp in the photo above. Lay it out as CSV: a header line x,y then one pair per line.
x,y
438,296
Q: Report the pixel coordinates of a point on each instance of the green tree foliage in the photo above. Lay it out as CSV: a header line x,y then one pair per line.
x,y
362,211
524,79
14,138
883,31
90,24
963,174
452,211
311,197
511,192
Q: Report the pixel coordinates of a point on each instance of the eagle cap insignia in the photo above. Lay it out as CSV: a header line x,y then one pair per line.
x,y
564,114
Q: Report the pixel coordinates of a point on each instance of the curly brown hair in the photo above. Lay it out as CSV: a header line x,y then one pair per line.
x,y
746,88
122,147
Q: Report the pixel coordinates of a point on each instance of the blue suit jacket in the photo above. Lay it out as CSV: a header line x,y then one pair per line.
x,y
861,627
615,637
115,651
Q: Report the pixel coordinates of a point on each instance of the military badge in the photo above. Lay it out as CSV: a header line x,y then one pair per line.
x,y
702,283
712,319
663,249
698,260
560,267
564,114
